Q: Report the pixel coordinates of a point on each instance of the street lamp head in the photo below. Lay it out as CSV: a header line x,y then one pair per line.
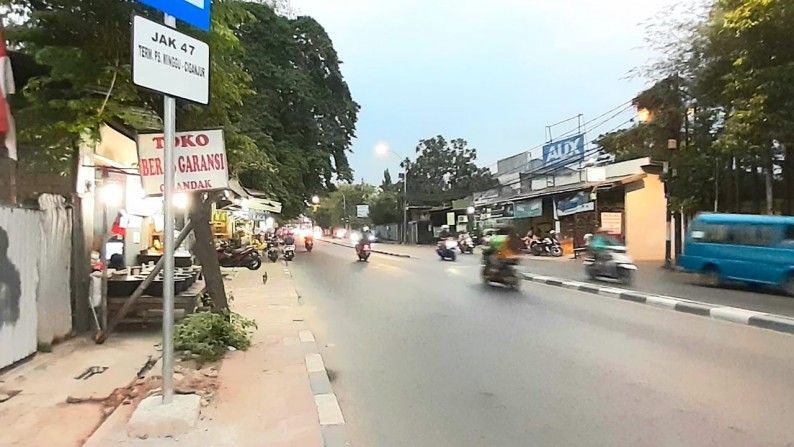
x,y
644,115
470,210
382,148
315,200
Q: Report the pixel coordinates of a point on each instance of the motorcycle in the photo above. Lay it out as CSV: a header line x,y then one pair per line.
x,y
289,252
308,243
446,249
466,245
504,274
615,264
272,251
546,247
363,251
247,257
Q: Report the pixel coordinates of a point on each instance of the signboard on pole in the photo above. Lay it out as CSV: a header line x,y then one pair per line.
x,y
362,210
169,62
200,161
194,12
569,149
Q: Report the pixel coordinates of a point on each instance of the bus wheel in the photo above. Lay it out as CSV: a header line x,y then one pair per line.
x,y
710,276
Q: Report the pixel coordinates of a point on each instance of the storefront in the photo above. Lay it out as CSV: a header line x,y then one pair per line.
x,y
625,198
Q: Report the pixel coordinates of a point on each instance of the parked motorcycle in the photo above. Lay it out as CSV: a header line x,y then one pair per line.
x,y
289,252
363,251
446,249
466,245
247,257
505,274
615,264
308,243
272,251
546,247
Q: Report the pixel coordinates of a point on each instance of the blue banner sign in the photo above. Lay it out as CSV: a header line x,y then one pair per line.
x,y
194,12
569,149
532,208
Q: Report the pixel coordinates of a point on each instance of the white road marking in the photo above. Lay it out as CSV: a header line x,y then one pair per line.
x,y
328,409
314,363
660,301
306,336
733,314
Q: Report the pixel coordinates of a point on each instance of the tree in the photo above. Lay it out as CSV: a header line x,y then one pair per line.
x,y
735,60
384,208
84,48
302,117
339,207
445,171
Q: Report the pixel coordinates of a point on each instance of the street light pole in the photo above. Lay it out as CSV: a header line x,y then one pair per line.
x,y
405,203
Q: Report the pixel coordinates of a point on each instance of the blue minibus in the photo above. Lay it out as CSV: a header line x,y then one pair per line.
x,y
741,247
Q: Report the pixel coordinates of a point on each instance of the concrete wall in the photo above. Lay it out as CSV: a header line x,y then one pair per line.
x,y
645,219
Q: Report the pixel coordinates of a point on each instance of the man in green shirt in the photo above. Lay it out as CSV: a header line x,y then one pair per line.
x,y
601,242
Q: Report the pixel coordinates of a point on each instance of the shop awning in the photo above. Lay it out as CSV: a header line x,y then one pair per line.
x,y
254,199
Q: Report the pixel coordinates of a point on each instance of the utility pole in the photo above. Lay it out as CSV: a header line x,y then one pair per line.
x,y
405,203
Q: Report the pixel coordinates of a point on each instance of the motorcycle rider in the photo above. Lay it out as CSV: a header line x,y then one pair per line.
x,y
600,243
504,247
365,238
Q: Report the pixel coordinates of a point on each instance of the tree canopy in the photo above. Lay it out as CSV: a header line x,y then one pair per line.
x,y
445,171
724,89
302,116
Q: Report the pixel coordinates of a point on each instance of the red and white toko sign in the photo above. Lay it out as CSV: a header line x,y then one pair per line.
x,y
200,161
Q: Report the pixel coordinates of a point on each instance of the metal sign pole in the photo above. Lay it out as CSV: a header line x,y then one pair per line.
x,y
169,118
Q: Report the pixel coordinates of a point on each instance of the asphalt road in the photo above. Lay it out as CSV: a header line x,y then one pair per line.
x,y
421,354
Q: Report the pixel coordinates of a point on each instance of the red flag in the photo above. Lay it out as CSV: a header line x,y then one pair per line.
x,y
7,87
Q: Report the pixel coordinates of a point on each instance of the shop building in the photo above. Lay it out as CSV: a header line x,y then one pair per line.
x,y
626,198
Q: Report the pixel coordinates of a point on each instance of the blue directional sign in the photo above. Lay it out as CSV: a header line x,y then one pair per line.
x,y
194,12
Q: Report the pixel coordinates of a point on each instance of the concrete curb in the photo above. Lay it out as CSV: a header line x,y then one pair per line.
x,y
329,413
737,315
388,253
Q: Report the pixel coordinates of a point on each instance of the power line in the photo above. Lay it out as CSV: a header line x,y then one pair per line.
x,y
552,168
570,133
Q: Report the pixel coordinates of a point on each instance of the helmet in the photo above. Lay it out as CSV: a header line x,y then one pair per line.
x,y
445,227
365,229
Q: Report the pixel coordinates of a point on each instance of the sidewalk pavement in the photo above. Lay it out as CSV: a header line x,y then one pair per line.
x,y
50,407
651,278
276,394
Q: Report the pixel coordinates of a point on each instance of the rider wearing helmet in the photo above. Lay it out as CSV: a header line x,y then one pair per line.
x,y
504,247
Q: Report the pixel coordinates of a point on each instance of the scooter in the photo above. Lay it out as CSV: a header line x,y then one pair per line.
x,y
616,265
467,245
363,251
308,243
247,257
446,249
272,251
289,252
505,274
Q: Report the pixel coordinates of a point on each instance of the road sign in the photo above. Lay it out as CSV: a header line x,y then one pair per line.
x,y
362,211
167,61
194,12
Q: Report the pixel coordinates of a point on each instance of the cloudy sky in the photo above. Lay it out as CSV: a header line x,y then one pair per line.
x,y
495,73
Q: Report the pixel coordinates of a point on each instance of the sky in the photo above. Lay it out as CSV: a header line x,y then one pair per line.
x,y
494,73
